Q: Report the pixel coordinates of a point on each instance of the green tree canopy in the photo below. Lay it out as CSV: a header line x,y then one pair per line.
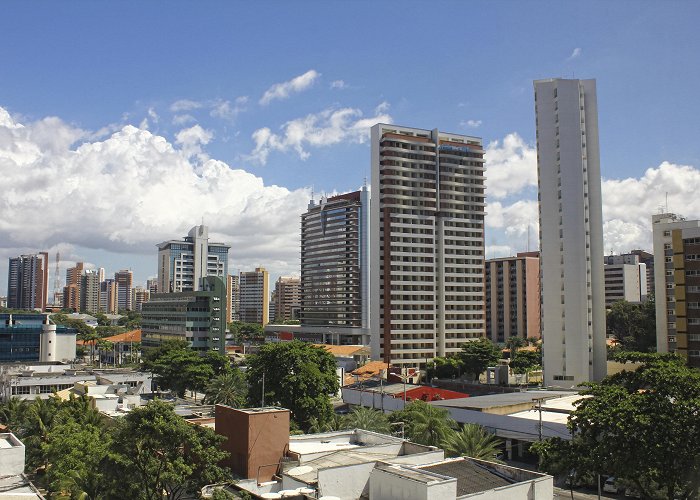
x,y
474,441
639,425
478,355
444,368
368,419
514,343
298,376
229,389
633,325
181,369
424,423
526,361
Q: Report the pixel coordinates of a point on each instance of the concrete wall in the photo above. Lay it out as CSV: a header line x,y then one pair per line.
x,y
387,486
345,482
542,488
372,400
12,457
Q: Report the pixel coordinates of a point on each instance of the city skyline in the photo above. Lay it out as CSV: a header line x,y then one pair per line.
x,y
244,141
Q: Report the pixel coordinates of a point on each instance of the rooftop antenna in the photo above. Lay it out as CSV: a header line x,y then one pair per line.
x,y
312,192
57,274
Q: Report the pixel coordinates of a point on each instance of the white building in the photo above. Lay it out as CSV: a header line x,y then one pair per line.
x,y
625,279
14,485
664,279
427,237
183,263
571,232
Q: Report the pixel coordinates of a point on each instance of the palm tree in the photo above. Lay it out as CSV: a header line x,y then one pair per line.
x,y
368,419
13,414
228,389
472,441
336,423
427,424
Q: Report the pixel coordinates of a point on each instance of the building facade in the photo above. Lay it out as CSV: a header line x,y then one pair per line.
x,y
233,298
198,317
183,263
668,232
513,297
32,337
71,292
28,281
427,256
571,232
255,296
90,291
124,281
140,296
108,296
287,298
625,279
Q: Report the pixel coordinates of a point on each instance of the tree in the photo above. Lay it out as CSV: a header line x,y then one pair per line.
x,y
335,423
102,319
103,346
472,441
444,368
298,376
163,454
246,331
478,355
14,413
424,423
229,389
514,343
639,425
633,325
181,369
525,361
368,419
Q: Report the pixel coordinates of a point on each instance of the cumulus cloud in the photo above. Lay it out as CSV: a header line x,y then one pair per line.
x,y
285,89
134,189
326,128
471,123
192,139
218,108
576,53
511,166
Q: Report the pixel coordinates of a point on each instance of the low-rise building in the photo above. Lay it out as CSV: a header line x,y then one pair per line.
x,y
33,338
13,483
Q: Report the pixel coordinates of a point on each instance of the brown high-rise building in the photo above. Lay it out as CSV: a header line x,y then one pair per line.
x,y
124,280
71,292
233,298
28,281
287,298
427,243
255,296
513,297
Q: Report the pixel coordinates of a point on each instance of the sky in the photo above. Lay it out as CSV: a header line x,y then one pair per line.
x,y
123,124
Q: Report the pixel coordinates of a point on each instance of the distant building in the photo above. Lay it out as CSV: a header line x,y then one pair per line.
x,y
287,298
32,337
427,243
108,296
625,279
513,297
152,285
90,292
28,281
71,292
648,260
198,317
123,280
183,263
3,301
139,296
571,232
233,298
255,296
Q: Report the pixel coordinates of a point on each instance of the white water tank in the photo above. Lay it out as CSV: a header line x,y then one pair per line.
x,y
47,341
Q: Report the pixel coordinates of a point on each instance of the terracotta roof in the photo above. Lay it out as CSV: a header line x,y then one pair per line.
x,y
345,350
131,336
371,369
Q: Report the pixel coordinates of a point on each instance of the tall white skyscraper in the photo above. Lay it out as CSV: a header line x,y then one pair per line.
x,y
571,231
427,237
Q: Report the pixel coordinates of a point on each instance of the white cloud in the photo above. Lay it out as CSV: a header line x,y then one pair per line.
x,y
134,189
511,166
153,115
226,111
192,139
576,53
285,89
338,84
185,105
471,123
326,128
183,119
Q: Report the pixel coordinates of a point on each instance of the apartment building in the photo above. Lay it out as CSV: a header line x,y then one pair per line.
x,y
255,296
90,291
670,273
233,298
183,263
571,232
71,292
287,298
427,254
28,281
108,296
625,279
513,297
124,282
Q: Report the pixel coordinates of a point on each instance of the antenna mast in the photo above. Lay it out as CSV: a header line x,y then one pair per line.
x,y
57,275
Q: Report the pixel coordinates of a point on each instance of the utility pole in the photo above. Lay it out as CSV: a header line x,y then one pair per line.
x,y
262,405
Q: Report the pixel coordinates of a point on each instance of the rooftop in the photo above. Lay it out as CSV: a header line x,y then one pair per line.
x,y
503,401
471,477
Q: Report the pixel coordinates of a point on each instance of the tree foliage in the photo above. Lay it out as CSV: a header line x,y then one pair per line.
x,y
424,423
478,355
474,441
368,419
525,361
444,368
633,325
229,389
246,331
298,376
639,425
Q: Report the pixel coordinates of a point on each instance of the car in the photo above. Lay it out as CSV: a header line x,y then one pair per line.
x,y
611,485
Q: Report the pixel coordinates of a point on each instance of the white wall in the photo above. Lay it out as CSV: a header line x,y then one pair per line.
x,y
347,482
12,458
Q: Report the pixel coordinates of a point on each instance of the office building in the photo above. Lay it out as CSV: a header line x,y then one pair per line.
x,y
183,263
287,298
123,280
427,255
139,296
625,279
196,316
71,292
108,296
672,281
233,298
513,297
335,267
28,281
90,291
648,260
32,337
255,296
152,285
571,232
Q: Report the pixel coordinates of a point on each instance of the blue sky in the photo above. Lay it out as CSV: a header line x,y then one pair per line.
x,y
195,73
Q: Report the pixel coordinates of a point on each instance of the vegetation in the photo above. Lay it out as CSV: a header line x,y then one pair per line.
x,y
246,331
633,325
638,425
472,441
150,454
444,368
298,376
478,355
130,320
368,419
424,423
515,343
526,361
229,389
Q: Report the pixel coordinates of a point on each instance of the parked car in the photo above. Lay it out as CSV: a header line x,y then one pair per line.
x,y
611,485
